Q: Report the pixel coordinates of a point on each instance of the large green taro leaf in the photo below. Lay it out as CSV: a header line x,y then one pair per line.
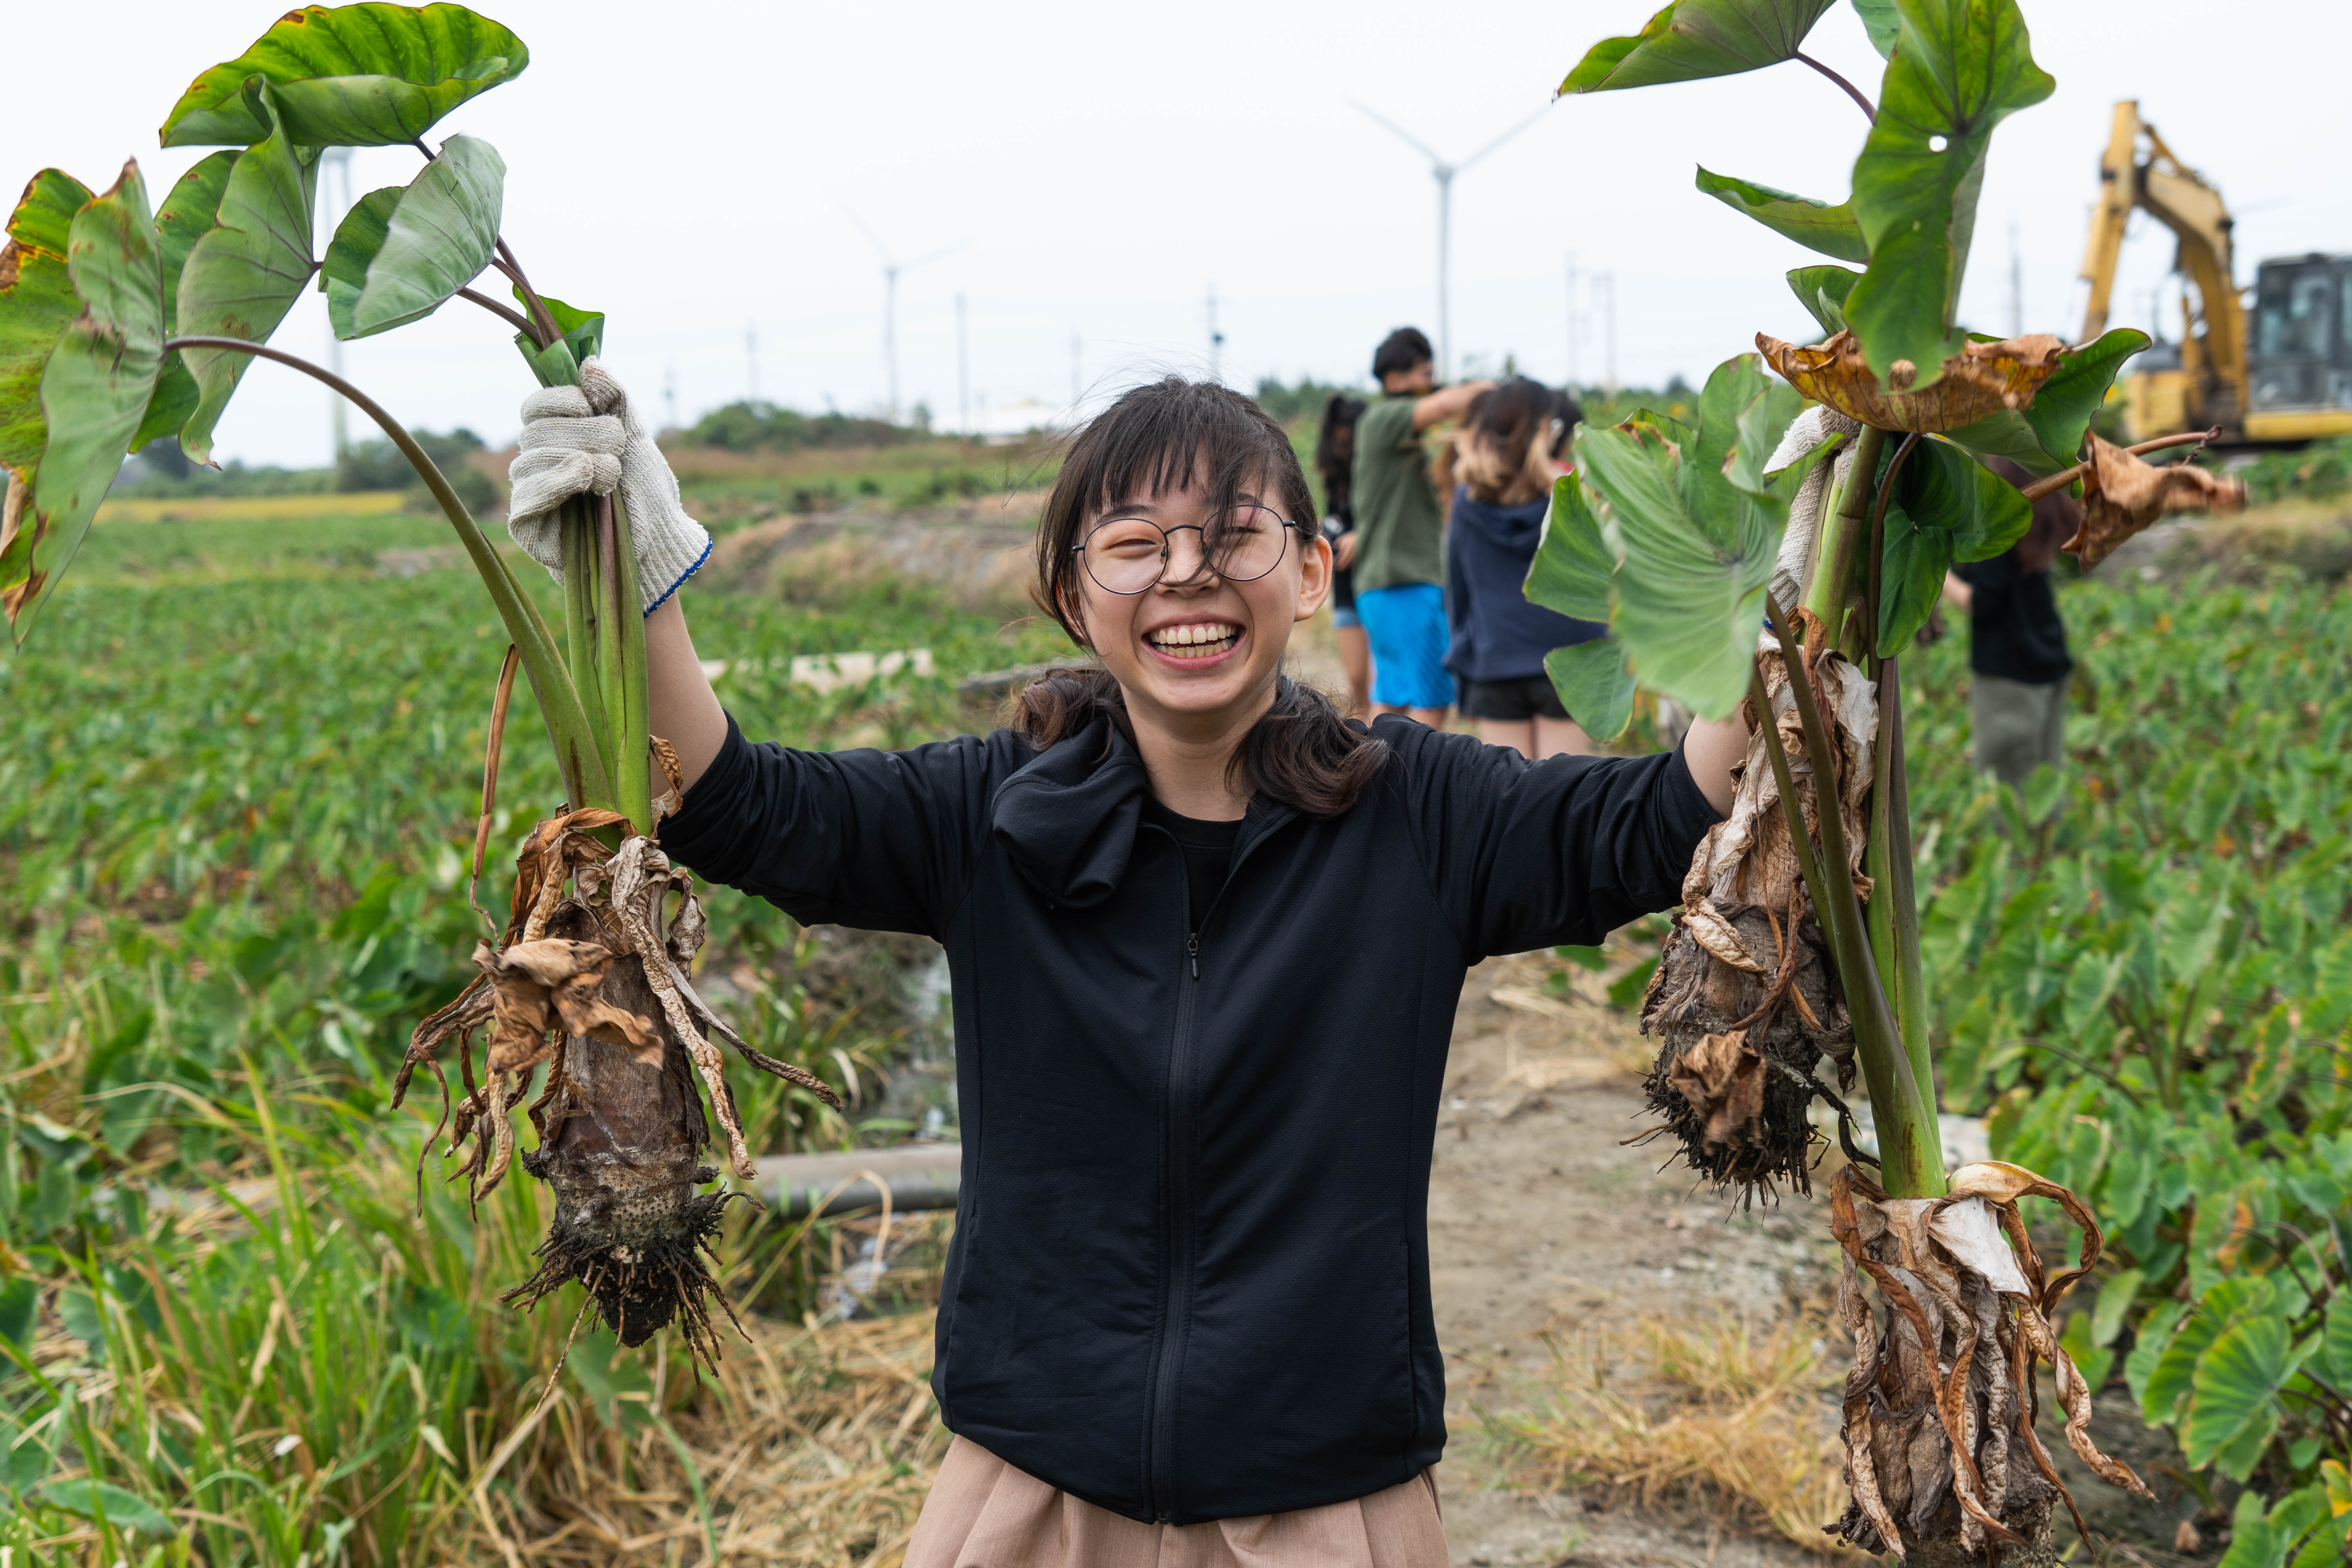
x,y
1695,548
37,300
391,264
1594,685
94,387
1690,39
1815,224
244,275
1574,563
350,75
1946,507
1822,291
2236,1380
187,214
1960,68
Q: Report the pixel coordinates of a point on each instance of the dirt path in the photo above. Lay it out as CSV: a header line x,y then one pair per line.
x,y
1540,1214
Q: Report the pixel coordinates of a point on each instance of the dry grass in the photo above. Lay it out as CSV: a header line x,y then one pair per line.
x,y
1717,1414
814,1446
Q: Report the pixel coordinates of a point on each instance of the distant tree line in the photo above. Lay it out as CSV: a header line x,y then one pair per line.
x,y
160,470
750,425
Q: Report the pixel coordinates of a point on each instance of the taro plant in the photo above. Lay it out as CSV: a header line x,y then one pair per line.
x,y
1781,556
122,324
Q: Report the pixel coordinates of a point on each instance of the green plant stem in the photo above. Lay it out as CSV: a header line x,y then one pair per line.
x,y
632,780
1893,908
577,756
576,527
1842,536
1908,1143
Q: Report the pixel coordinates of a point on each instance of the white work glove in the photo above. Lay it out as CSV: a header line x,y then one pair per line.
x,y
1792,573
584,440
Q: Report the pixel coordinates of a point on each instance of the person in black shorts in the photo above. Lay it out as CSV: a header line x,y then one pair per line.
x,y
1335,458
1503,462
2018,662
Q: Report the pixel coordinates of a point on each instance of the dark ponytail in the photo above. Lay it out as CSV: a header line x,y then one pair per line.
x,y
1176,433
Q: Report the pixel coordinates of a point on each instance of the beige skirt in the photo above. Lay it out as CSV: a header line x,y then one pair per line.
x,y
984,1513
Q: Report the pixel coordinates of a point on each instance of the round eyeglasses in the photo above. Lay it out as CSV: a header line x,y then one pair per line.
x,y
1131,554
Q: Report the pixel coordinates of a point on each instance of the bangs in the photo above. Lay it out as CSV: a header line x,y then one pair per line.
x,y
1170,435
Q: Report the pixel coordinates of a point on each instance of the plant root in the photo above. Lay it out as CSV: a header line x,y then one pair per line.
x,y
590,983
1745,1002
1942,1457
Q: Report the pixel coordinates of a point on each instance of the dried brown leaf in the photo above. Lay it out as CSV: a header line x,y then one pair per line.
x,y
1723,1081
1977,383
2122,495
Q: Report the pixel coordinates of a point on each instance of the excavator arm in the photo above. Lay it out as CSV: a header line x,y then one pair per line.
x,y
2214,349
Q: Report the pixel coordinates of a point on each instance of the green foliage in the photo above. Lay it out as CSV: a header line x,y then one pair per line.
x,y
245,274
1690,39
2152,991
1815,224
1945,508
187,214
94,388
35,308
1823,291
2322,468
1302,401
1960,68
753,426
350,75
1678,542
1594,685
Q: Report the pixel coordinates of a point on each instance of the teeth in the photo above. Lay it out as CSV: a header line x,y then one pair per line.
x,y
1180,640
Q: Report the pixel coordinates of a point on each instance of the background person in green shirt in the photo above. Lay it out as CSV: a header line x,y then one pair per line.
x,y
1400,564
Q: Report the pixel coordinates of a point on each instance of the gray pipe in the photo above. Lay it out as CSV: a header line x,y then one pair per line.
x,y
919,1176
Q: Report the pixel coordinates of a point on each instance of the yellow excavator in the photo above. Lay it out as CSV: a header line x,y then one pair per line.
x,y
2283,376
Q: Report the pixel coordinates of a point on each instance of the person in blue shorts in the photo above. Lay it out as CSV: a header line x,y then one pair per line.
x,y
1400,562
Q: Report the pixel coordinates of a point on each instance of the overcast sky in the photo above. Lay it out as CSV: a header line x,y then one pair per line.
x,y
691,169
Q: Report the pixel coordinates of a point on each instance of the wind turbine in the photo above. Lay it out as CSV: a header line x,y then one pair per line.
x,y
1444,173
890,271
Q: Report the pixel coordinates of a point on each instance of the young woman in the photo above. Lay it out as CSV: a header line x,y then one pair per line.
x,y
1335,457
1206,940
1500,468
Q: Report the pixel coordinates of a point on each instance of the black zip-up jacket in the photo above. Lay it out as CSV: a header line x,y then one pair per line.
x,y
1189,1277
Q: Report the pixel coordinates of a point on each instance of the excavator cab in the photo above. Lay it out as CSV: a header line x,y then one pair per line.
x,y
2301,383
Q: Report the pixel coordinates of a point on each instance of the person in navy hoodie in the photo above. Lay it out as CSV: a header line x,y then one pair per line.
x,y
1503,462
1207,939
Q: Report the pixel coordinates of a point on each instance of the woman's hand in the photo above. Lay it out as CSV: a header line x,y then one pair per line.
x,y
1343,550
583,440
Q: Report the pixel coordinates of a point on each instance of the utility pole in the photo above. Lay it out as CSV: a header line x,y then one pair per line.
x,y
1077,374
964,371
1609,284
669,394
1444,173
1216,340
751,362
336,162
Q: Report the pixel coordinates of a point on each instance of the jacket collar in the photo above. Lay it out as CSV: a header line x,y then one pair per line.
x,y
1068,818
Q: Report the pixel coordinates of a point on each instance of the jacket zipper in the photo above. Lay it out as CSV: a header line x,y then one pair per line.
x,y
1162,1478
1177,1288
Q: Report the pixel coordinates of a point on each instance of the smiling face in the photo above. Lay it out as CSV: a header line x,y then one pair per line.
x,y
1196,652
